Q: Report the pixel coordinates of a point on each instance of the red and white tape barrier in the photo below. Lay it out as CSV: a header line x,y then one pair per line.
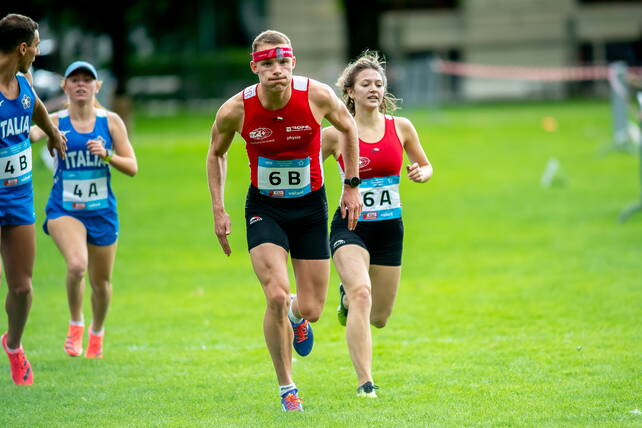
x,y
550,74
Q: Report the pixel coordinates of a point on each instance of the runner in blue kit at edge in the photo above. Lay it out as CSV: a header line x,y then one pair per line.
x,y
19,104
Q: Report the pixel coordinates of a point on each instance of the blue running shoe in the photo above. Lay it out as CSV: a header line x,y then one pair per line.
x,y
291,402
367,390
342,311
303,337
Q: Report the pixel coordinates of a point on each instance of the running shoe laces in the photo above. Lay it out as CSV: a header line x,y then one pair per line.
x,y
73,343
20,368
303,338
367,390
301,331
95,347
291,402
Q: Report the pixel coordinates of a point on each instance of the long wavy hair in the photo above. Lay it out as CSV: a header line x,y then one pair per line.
x,y
367,60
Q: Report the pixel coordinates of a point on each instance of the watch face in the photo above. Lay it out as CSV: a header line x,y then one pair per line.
x,y
352,181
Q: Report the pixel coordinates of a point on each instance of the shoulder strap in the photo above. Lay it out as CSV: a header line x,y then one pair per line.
x,y
250,91
300,83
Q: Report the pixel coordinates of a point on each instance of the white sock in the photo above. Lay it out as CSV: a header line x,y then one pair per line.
x,y
97,333
286,388
13,351
80,323
293,318
291,315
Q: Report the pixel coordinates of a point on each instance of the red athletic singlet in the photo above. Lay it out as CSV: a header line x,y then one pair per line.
x,y
380,159
283,146
379,167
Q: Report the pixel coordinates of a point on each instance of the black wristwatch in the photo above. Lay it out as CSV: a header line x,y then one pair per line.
x,y
352,181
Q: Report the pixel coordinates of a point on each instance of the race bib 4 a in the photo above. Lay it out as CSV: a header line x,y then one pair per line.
x,y
85,190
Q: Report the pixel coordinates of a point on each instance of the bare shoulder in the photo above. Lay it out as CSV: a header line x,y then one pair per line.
x,y
330,134
404,127
112,116
403,123
29,77
230,114
232,107
114,121
330,142
321,93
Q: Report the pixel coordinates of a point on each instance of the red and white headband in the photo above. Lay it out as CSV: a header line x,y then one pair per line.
x,y
280,52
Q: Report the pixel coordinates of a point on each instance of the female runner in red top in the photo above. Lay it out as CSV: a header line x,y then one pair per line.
x,y
368,258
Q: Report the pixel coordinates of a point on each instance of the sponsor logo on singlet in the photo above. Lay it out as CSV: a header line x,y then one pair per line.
x,y
298,128
363,162
26,101
260,133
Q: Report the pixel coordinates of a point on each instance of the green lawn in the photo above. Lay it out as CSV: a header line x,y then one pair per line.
x,y
519,305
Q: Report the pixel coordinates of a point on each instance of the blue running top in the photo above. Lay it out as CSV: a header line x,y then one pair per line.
x,y
82,182
15,147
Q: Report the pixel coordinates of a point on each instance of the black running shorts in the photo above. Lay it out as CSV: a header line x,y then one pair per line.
x,y
299,225
382,239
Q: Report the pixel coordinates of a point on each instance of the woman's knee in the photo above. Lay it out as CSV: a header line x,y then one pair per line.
x,y
101,285
76,268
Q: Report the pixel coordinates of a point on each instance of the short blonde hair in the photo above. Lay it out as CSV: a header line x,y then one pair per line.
x,y
270,37
367,60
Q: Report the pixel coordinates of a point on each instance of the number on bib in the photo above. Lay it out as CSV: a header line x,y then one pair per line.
x,y
380,198
284,178
15,164
85,190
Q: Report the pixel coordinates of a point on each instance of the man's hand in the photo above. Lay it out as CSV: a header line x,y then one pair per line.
x,y
57,141
351,206
222,228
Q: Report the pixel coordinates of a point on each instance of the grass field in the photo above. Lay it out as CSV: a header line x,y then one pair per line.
x,y
518,306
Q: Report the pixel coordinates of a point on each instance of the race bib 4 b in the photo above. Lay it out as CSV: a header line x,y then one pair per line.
x,y
15,164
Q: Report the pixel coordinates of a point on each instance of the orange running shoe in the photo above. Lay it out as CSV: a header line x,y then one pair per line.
x,y
20,367
95,347
73,343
